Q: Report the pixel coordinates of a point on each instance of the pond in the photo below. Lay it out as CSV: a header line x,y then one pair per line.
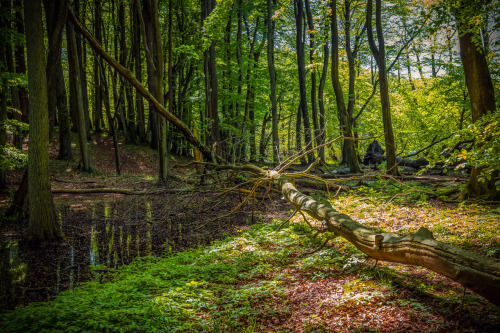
x,y
104,233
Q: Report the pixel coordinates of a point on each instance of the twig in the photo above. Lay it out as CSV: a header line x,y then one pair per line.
x,y
318,249
288,219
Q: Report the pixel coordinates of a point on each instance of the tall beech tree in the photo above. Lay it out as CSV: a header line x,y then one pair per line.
x,y
272,79
43,224
77,97
344,113
479,86
155,66
379,55
298,8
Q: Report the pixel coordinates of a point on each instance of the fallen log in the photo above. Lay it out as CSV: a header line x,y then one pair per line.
x,y
475,272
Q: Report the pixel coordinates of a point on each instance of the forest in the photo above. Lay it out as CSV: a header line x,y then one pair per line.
x,y
249,166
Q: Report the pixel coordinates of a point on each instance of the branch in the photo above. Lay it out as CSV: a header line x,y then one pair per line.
x,y
429,146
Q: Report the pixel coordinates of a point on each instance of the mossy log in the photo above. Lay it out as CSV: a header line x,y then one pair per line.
x,y
475,272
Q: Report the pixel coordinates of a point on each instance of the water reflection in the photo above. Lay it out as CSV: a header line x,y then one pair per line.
x,y
100,234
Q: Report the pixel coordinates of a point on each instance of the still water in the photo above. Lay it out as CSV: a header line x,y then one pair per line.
x,y
100,236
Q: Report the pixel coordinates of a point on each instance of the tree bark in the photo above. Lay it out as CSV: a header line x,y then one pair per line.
x,y
136,51
82,61
155,77
321,89
379,55
482,100
74,76
299,13
97,114
65,151
42,218
55,15
272,80
20,61
314,108
349,155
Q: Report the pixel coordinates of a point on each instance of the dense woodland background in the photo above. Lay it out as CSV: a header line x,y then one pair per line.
x,y
230,82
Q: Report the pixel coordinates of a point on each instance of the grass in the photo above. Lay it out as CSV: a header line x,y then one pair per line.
x,y
261,280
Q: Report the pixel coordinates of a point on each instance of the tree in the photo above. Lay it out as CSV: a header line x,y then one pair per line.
x,y
344,114
43,224
154,56
76,96
299,14
272,78
479,86
379,55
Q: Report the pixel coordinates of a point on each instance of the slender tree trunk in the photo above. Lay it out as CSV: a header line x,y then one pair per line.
x,y
74,74
272,79
379,55
129,117
349,156
97,114
299,13
321,89
82,61
3,109
155,77
42,218
482,100
55,15
131,112
314,108
14,91
65,151
20,61
136,50
111,120
298,134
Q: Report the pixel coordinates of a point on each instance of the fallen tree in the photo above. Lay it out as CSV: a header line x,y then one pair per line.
x,y
475,272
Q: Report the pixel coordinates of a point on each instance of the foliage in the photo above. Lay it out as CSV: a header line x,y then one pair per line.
x,y
484,154
12,158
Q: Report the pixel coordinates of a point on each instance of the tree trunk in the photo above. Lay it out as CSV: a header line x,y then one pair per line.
x,y
314,108
349,155
65,151
155,76
272,80
55,15
74,76
82,61
97,74
136,51
20,61
379,55
42,218
111,120
321,89
14,91
128,116
299,13
482,100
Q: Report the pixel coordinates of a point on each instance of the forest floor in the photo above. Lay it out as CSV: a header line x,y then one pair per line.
x,y
159,262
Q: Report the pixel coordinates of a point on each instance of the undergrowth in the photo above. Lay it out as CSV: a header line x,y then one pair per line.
x,y
254,281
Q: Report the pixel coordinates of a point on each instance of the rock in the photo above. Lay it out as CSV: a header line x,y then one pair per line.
x,y
374,154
